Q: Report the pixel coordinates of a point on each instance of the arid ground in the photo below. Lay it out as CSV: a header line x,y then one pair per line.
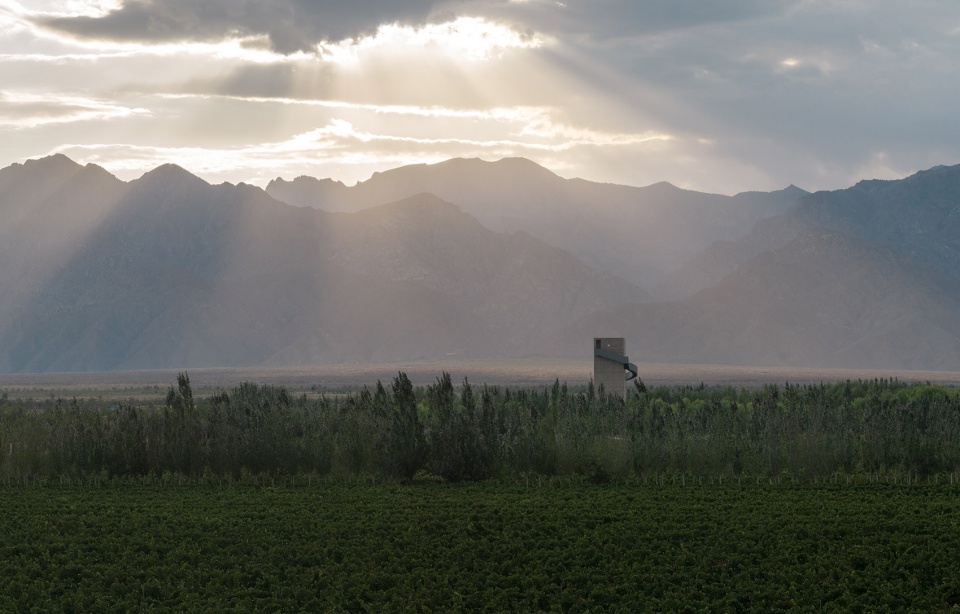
x,y
147,384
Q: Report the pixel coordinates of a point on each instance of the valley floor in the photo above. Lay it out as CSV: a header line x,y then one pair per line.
x,y
147,384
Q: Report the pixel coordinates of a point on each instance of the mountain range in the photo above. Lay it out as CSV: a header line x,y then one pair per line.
x,y
636,233
470,259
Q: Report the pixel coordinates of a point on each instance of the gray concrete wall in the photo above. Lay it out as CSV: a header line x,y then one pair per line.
x,y
611,374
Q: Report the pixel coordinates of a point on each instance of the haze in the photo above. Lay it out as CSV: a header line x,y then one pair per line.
x,y
717,97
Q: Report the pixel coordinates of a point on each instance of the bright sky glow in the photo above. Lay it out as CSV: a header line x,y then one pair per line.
x,y
719,97
65,8
469,38
22,110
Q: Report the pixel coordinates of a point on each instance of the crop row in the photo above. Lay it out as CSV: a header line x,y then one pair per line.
x,y
479,547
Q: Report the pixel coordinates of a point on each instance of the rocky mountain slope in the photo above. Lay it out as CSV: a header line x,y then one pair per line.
x,y
171,271
640,234
825,299
918,216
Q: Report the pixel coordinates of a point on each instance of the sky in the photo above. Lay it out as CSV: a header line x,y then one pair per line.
x,y
714,96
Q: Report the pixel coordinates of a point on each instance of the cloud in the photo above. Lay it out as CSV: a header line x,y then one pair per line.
x,y
19,110
745,94
529,114
600,21
805,92
359,151
303,25
469,38
288,25
62,8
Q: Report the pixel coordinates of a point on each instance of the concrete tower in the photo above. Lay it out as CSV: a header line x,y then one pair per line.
x,y
609,363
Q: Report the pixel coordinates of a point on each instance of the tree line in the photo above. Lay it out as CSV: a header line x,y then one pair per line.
x,y
468,432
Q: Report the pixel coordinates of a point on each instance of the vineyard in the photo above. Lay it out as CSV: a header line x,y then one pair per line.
x,y
437,547
444,498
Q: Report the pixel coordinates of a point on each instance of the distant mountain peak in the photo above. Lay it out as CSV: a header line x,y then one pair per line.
x,y
939,170
422,201
96,170
525,165
663,186
872,184
305,179
56,161
512,161
505,167
791,191
57,157
48,173
169,167
171,172
306,191
518,161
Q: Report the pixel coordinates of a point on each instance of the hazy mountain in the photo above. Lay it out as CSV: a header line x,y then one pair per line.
x,y
48,208
640,234
524,286
170,271
866,276
721,258
824,299
918,216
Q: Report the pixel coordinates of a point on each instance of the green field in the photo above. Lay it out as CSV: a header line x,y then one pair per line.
x,y
477,547
839,496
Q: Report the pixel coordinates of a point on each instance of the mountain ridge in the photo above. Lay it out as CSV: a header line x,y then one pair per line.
x,y
174,271
638,233
825,299
170,271
919,215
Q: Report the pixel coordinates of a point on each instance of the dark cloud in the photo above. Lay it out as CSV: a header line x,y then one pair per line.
x,y
839,85
756,93
290,25
299,25
601,20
